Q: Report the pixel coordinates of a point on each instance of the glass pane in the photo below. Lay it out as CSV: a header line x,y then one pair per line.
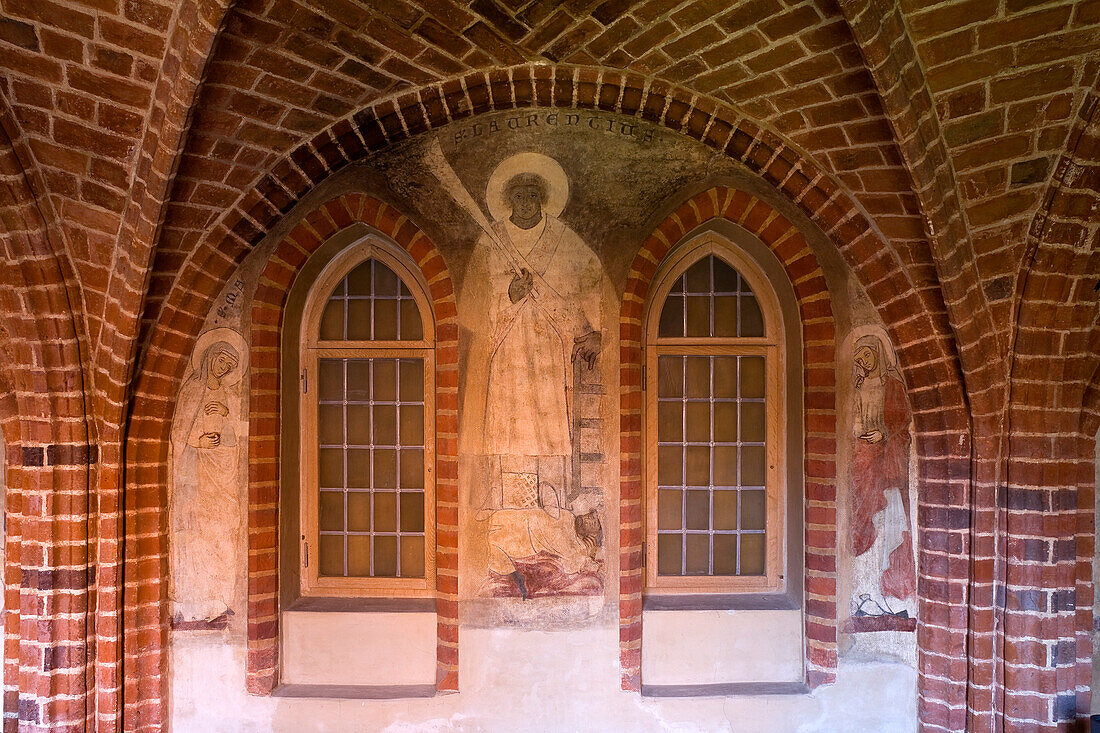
x,y
698,465
330,424
698,422
331,468
725,510
698,510
330,381
385,425
752,422
725,277
412,557
725,465
752,510
330,555
698,315
412,511
358,280
358,556
725,315
698,376
669,509
330,515
359,319
359,511
697,277
385,281
332,321
358,468
752,376
670,418
385,468
358,425
752,466
412,380
672,317
358,380
725,554
411,325
412,425
412,469
698,554
752,321
725,376
725,422
668,554
670,376
385,320
669,465
385,511
385,380
385,556
752,554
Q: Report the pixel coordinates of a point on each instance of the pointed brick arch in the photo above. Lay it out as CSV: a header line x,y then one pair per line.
x,y
264,426
915,316
819,377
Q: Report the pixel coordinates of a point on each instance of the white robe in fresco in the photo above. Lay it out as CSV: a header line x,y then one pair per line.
x,y
526,349
206,503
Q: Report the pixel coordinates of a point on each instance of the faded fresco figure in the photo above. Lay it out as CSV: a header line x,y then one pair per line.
x,y
206,497
538,284
879,509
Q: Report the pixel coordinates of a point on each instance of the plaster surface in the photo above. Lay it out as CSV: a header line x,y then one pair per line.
x,y
533,681
326,648
708,647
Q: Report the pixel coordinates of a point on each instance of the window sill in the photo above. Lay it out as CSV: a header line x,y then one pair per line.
x,y
354,692
362,605
728,689
718,602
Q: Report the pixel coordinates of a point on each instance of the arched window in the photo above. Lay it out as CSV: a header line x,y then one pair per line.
x,y
715,496
367,501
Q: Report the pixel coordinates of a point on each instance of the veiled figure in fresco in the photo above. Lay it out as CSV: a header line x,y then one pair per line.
x,y
880,512
539,287
206,455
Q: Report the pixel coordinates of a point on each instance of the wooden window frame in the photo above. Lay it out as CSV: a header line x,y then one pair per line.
x,y
312,584
772,347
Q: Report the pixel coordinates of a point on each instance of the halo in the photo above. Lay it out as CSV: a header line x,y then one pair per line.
x,y
231,337
557,183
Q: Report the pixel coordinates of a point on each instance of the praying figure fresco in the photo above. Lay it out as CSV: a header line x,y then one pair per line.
x,y
879,510
205,507
538,285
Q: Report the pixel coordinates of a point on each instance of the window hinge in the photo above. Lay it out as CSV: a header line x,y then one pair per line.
x,y
305,554
645,370
305,381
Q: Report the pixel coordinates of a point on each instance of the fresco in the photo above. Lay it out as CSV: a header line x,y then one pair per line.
x,y
536,286
207,444
879,506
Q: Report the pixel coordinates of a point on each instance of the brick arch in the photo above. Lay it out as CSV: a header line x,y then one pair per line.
x,y
915,314
1055,391
939,414
264,427
819,370
42,412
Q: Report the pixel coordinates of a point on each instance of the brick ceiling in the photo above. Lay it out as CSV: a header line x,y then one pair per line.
x,y
1007,78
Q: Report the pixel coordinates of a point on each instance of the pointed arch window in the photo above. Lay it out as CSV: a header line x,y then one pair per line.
x,y
714,488
367,429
